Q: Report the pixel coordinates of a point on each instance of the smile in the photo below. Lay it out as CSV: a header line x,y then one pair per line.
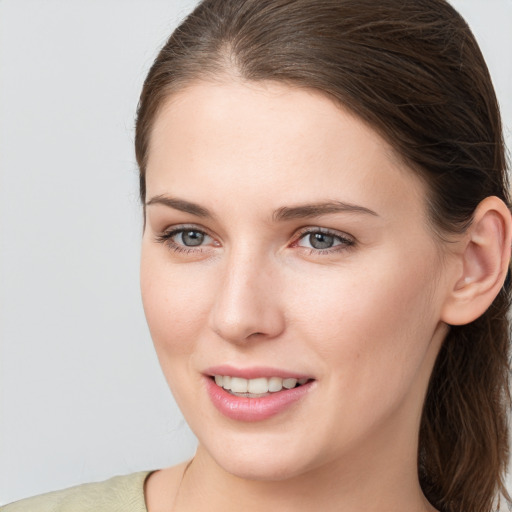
x,y
257,398
258,387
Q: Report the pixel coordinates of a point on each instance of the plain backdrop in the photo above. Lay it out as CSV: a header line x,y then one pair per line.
x,y
81,394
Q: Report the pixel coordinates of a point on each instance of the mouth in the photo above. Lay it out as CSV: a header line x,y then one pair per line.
x,y
257,387
256,394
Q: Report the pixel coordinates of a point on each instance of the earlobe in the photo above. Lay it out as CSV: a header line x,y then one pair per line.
x,y
484,260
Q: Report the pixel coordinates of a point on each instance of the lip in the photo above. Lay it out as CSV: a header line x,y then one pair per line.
x,y
241,408
254,372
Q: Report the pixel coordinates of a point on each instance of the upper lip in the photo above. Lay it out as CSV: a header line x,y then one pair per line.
x,y
254,372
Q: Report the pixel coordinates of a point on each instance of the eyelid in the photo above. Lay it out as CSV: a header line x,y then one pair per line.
x,y
326,231
347,240
172,230
166,237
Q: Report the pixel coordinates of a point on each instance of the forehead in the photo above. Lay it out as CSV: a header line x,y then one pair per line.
x,y
271,138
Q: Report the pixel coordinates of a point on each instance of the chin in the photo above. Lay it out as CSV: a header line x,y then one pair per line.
x,y
261,468
263,458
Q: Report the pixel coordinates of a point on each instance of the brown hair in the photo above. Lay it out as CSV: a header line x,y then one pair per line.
x,y
412,70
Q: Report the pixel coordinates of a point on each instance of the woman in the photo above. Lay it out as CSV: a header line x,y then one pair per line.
x,y
326,243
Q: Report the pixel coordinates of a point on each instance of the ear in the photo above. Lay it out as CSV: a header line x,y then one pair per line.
x,y
482,265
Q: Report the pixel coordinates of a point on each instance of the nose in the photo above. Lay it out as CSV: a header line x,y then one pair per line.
x,y
247,302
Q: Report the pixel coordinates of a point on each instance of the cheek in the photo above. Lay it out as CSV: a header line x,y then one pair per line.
x,y
371,328
176,307
175,303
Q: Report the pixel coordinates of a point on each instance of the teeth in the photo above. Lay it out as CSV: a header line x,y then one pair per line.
x,y
259,386
275,384
289,383
238,385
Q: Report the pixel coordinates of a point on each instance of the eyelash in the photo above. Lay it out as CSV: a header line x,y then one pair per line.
x,y
166,238
345,241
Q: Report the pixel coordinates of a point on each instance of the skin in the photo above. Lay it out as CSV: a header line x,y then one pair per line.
x,y
364,319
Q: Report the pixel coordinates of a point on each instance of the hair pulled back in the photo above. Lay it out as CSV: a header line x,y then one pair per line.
x,y
413,71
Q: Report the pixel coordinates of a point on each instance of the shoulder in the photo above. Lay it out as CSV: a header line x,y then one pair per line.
x,y
118,494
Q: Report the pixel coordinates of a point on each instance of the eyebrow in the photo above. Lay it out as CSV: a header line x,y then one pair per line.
x,y
317,210
281,214
181,205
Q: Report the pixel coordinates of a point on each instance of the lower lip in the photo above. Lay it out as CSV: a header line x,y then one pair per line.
x,y
242,408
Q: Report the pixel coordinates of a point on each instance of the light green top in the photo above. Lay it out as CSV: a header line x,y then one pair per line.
x,y
119,494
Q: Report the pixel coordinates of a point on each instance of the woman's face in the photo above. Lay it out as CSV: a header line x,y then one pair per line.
x,y
285,241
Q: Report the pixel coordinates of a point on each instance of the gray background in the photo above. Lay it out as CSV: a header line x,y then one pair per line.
x,y
81,395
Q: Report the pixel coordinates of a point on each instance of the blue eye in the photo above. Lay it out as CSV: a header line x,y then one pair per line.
x,y
190,237
320,240
185,239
